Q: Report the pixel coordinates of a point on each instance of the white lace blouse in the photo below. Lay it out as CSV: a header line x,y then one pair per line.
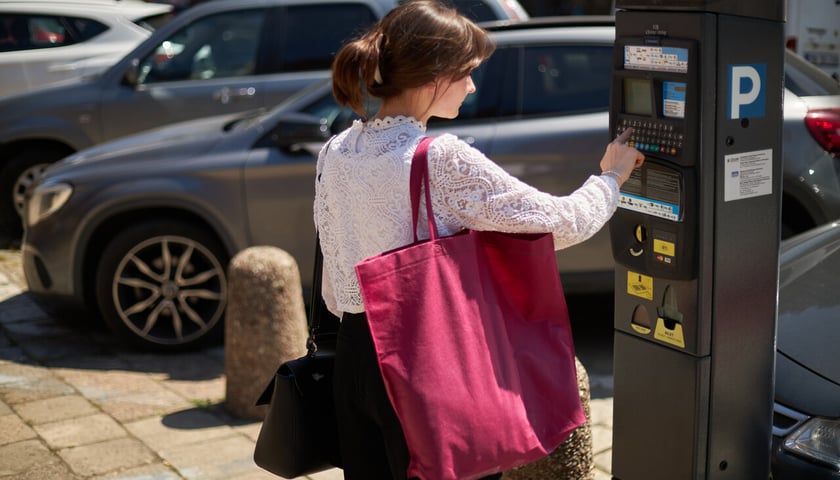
x,y
362,206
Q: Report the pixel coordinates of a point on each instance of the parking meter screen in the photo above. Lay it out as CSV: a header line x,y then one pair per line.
x,y
655,58
637,96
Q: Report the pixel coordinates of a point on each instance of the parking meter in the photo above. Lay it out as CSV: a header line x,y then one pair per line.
x,y
696,237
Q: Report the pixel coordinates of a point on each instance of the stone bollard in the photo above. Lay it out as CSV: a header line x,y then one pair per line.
x,y
265,324
573,459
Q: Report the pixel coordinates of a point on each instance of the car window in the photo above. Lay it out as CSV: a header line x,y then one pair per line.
x,y
565,79
806,80
153,22
335,117
484,103
314,33
476,10
27,32
216,46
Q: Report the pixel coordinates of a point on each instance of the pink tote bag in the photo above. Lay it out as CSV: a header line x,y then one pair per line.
x,y
474,344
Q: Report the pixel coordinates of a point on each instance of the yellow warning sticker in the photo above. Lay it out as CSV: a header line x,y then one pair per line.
x,y
640,285
674,336
640,329
663,247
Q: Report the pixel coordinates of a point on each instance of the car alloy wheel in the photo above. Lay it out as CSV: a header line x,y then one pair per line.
x,y
163,285
17,178
25,183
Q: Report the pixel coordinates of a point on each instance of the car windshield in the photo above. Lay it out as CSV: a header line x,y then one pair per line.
x,y
806,80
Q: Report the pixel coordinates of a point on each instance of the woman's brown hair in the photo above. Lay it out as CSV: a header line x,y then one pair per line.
x,y
413,44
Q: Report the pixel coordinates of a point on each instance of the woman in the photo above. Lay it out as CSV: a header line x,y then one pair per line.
x,y
418,61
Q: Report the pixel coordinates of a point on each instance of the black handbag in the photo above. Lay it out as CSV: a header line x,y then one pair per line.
x,y
298,435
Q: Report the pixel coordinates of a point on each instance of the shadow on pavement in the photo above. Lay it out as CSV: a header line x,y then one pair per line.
x,y
73,340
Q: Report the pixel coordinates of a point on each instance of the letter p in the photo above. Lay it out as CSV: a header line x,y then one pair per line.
x,y
746,95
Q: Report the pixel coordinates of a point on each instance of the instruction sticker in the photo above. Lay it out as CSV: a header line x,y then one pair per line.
x,y
640,285
748,174
672,334
673,99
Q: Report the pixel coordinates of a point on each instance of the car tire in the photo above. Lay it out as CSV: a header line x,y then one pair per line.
x,y
16,177
161,285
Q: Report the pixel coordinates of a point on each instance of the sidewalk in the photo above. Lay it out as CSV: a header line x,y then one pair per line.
x,y
74,405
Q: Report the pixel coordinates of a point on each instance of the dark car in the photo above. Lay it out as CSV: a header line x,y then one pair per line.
x,y
111,225
219,57
213,187
806,420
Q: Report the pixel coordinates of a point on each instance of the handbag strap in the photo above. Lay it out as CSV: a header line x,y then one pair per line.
x,y
316,302
315,307
420,174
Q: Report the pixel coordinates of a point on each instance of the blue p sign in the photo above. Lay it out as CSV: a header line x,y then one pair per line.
x,y
746,91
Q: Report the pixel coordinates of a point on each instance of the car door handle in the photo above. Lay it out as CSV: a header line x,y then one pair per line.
x,y
226,94
62,67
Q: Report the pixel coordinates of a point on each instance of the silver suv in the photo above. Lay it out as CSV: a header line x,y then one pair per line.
x,y
219,57
44,42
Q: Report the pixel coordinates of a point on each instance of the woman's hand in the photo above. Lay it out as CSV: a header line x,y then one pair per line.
x,y
620,160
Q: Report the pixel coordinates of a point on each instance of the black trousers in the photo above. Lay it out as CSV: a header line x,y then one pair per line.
x,y
370,436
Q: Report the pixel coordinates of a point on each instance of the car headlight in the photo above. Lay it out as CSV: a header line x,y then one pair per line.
x,y
819,439
46,200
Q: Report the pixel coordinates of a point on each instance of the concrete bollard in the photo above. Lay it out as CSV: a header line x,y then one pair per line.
x,y
573,459
265,324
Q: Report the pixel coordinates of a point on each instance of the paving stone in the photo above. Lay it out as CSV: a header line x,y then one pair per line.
x,y
181,366
125,395
205,391
223,458
154,402
55,470
39,327
13,354
20,307
601,411
156,471
8,291
260,474
102,362
26,389
48,348
76,432
599,475
250,430
182,428
331,474
54,409
601,438
603,461
12,429
17,458
103,384
109,456
13,372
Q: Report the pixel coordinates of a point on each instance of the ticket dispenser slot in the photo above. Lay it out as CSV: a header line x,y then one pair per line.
x,y
695,237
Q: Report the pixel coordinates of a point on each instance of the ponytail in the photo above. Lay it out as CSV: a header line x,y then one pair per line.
x,y
413,44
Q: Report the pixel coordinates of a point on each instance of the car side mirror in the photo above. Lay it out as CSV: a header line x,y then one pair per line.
x,y
132,73
299,133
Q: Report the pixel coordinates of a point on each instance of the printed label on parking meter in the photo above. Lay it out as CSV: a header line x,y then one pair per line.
x,y
640,285
669,332
748,174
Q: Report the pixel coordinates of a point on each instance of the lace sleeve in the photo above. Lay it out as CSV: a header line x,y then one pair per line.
x,y
470,191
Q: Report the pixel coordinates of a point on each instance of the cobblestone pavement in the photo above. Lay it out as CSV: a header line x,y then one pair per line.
x,y
75,405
